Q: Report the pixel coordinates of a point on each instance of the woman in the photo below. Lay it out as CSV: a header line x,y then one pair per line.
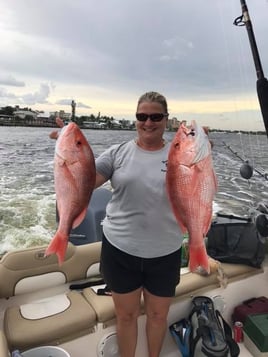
x,y
141,244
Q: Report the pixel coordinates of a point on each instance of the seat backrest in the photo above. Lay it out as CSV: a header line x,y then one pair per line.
x,y
28,270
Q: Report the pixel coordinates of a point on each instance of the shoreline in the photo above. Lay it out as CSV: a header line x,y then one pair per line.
x,y
51,125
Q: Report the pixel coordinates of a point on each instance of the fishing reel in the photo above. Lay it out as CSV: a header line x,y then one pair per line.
x,y
260,219
260,216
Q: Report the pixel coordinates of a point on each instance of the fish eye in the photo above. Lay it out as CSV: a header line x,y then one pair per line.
x,y
177,145
78,143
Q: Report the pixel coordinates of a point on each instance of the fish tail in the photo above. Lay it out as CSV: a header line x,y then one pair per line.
x,y
198,259
58,246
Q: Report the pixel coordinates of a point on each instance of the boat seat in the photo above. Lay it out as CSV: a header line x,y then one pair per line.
x,y
102,304
28,270
195,284
49,321
41,308
190,284
4,352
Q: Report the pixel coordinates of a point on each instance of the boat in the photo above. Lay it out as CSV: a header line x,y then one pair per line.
x,y
62,311
65,310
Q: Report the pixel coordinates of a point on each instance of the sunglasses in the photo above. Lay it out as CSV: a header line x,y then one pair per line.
x,y
154,117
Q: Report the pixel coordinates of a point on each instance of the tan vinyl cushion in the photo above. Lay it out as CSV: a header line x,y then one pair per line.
x,y
190,284
193,284
4,352
102,304
76,320
30,268
45,307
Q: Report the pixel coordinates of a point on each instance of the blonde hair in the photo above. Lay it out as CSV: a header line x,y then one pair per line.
x,y
154,97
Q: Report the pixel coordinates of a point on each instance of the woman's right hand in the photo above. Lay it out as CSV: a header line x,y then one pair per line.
x,y
55,133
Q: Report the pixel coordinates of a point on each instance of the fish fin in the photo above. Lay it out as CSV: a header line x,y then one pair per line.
x,y
178,218
198,259
54,134
58,246
215,181
183,228
79,219
59,122
207,222
201,165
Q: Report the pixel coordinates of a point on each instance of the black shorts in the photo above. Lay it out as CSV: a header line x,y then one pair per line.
x,y
124,273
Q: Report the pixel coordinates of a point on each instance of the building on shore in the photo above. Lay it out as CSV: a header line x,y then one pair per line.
x,y
173,124
61,114
27,118
93,125
23,114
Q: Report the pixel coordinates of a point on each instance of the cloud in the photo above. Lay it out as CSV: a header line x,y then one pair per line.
x,y
39,96
82,105
9,80
69,101
112,51
64,101
176,48
6,95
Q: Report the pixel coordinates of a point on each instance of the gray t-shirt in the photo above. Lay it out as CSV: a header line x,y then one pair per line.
x,y
139,220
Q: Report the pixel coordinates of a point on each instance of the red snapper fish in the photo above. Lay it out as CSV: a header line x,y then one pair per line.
x,y
191,185
74,176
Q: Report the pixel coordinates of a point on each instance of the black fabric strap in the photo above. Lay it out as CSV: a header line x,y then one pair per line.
x,y
86,284
233,346
195,340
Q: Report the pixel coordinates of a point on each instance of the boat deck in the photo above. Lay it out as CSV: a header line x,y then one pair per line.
x,y
243,283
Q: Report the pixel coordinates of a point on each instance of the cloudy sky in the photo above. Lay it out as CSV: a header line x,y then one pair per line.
x,y
105,53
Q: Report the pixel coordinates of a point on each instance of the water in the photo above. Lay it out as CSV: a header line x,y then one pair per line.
x,y
27,204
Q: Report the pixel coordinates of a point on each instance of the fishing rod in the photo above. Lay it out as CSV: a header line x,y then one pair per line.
x,y
246,170
262,83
